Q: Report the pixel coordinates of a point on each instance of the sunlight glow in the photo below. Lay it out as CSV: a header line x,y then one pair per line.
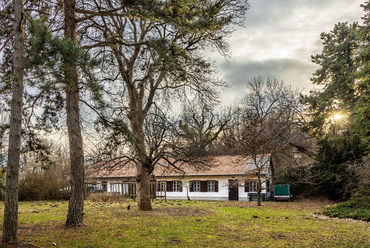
x,y
338,117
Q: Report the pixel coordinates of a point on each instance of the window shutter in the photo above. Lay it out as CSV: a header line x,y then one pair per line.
x,y
158,186
216,186
169,186
191,186
246,186
180,186
203,186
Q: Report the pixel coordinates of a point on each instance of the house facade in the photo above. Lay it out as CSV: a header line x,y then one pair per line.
x,y
225,178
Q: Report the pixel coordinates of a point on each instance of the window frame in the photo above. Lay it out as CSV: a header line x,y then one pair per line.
x,y
211,186
162,186
253,185
196,186
176,186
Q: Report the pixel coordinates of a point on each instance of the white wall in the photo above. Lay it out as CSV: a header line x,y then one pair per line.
x,y
221,195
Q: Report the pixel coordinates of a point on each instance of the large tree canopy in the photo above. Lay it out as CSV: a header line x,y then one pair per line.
x,y
153,51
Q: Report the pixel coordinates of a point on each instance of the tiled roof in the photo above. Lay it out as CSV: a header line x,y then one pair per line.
x,y
217,165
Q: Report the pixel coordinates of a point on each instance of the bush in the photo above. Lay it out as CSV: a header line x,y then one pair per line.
x,y
37,186
357,207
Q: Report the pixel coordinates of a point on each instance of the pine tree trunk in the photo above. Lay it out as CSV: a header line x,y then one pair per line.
x,y
12,173
143,188
75,208
144,164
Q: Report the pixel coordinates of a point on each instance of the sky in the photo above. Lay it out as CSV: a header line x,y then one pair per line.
x,y
278,40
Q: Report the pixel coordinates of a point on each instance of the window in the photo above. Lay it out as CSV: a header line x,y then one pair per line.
x,y
176,185
253,185
211,186
196,186
204,186
161,186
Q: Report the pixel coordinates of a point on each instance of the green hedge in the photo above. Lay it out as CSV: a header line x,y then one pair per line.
x,y
357,207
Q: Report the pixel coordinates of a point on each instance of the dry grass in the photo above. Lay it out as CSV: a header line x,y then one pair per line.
x,y
104,197
189,224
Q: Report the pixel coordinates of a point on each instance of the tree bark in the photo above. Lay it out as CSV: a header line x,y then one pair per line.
x,y
144,164
143,188
259,188
76,202
12,173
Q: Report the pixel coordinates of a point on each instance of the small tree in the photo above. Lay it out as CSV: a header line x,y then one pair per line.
x,y
265,121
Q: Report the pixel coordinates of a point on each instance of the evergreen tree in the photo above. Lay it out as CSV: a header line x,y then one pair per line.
x,y
363,83
14,148
154,52
332,110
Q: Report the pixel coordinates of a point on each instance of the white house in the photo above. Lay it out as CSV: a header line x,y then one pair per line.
x,y
227,178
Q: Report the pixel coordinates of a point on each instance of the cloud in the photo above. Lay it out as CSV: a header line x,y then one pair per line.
x,y
278,40
294,72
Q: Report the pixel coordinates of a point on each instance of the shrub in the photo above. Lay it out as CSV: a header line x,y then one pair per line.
x,y
36,186
357,207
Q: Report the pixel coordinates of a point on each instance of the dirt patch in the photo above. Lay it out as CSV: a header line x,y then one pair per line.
x,y
173,211
280,236
324,217
174,241
19,244
280,205
163,211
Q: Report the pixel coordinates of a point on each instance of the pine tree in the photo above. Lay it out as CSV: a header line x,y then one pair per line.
x,y
12,173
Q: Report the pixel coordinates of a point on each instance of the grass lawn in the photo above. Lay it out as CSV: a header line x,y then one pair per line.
x,y
189,224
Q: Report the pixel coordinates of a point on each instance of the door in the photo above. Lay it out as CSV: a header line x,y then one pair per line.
x,y
233,190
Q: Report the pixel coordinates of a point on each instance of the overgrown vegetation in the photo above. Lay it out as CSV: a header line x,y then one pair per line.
x,y
36,186
189,224
357,207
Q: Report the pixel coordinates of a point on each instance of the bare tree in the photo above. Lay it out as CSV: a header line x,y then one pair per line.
x,y
199,126
265,121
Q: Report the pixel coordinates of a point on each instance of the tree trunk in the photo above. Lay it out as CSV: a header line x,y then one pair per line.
x,y
272,170
144,164
143,188
12,173
259,189
75,207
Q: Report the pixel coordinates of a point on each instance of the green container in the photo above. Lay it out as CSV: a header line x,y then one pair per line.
x,y
282,192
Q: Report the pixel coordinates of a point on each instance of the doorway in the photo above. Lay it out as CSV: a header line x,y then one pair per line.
x,y
233,190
